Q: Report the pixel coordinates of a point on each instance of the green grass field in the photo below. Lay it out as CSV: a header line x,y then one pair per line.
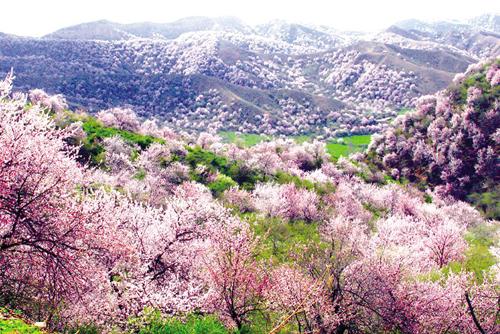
x,y
358,140
246,139
251,139
336,148
12,323
349,145
302,139
403,111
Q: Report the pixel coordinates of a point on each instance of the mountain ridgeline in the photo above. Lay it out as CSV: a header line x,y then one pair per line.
x,y
277,78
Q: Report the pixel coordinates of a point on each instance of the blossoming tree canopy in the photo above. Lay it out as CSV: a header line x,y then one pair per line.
x,y
103,219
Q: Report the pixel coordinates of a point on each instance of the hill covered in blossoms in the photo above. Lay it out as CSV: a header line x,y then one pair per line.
x,y
450,142
113,223
277,78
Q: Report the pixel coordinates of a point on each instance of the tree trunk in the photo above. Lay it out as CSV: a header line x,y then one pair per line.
x,y
473,314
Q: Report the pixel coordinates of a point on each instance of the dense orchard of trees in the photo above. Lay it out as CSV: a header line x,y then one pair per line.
x,y
103,219
451,142
226,80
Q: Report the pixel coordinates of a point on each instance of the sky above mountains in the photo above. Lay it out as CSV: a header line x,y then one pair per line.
x,y
37,18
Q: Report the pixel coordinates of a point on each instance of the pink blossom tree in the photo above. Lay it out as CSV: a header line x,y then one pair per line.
x,y
48,239
296,295
55,103
448,142
122,118
237,281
